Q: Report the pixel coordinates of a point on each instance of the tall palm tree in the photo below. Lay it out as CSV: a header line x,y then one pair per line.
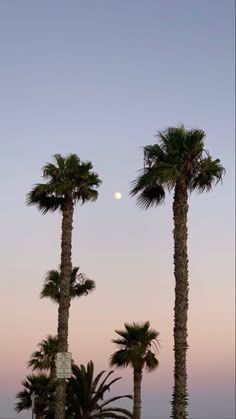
x,y
139,345
180,163
80,285
45,358
85,395
43,387
68,180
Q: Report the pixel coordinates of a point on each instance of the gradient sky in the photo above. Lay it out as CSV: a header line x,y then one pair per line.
x,y
99,78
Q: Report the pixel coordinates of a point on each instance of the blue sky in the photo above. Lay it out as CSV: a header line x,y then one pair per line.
x,y
99,78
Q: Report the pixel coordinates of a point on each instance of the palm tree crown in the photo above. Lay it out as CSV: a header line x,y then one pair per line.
x,y
179,154
45,358
80,285
68,177
43,387
138,344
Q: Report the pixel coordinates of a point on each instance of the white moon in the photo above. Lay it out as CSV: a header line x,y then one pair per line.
x,y
117,195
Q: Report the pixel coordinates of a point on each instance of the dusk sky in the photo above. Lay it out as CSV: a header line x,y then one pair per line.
x,y
99,79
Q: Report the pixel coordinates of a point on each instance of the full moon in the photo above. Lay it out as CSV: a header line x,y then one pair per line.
x,y
117,195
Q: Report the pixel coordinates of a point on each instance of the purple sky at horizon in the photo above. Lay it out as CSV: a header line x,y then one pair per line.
x,y
99,79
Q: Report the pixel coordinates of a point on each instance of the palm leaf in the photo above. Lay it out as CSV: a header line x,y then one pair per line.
x,y
210,172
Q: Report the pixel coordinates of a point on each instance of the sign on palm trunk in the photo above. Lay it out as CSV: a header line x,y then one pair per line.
x,y
63,365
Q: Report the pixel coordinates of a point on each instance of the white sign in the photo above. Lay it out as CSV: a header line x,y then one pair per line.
x,y
63,364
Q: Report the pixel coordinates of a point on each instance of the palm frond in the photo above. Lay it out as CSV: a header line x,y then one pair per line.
x,y
151,196
45,357
42,386
153,154
149,192
103,386
210,172
113,413
151,362
84,287
113,399
44,200
121,358
85,394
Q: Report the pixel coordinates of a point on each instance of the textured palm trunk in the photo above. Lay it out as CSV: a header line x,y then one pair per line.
x,y
64,301
137,393
180,211
53,371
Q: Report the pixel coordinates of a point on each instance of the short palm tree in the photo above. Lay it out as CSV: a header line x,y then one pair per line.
x,y
179,162
138,347
85,395
43,388
80,285
45,358
68,180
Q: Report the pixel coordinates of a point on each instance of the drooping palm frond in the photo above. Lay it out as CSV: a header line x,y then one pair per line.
x,y
51,286
44,199
151,362
122,358
209,174
148,194
81,286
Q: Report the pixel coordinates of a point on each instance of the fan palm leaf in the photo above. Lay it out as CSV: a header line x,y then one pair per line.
x,y
80,285
45,357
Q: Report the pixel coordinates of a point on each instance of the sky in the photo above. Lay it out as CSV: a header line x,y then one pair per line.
x,y
99,79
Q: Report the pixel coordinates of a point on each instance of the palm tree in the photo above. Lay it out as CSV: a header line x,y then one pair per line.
x,y
85,395
180,163
45,358
67,180
43,387
137,343
80,285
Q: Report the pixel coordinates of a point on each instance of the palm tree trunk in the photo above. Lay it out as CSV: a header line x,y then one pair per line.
x,y
137,393
64,301
53,369
180,211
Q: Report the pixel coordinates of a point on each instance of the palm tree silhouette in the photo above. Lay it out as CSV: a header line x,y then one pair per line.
x,y
179,162
138,347
68,180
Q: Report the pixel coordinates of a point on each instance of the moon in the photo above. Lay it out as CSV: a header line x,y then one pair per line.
x,y
117,195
